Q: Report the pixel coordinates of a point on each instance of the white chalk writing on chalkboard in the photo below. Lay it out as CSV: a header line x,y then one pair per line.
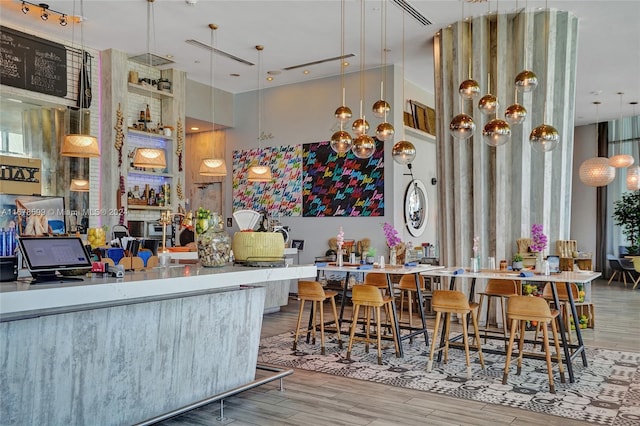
x,y
32,63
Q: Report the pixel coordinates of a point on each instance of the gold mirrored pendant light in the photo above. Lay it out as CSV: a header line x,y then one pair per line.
x,y
381,108
469,88
341,140
526,80
596,171
403,152
213,166
621,160
363,145
545,137
79,185
79,144
515,113
488,104
145,157
259,172
497,131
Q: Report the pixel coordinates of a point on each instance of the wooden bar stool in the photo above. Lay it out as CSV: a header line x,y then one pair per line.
x,y
370,297
521,309
407,287
313,292
500,289
449,302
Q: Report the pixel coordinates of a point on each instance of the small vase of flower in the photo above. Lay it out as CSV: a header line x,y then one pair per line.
x,y
538,244
393,241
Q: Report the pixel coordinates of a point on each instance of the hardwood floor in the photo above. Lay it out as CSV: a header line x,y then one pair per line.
x,y
313,398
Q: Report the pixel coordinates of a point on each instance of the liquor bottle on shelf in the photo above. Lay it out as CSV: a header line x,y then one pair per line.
x,y
147,114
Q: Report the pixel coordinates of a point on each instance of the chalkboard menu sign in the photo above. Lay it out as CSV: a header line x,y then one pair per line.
x,y
32,63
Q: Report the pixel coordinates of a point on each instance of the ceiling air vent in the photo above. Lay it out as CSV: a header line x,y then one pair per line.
x,y
407,7
151,59
218,51
320,61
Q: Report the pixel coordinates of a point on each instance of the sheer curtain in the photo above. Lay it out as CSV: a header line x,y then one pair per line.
x,y
624,138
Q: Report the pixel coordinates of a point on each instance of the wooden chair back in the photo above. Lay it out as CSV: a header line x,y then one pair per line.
x,y
310,290
498,287
565,248
450,301
408,282
636,263
522,244
562,291
376,279
367,295
528,308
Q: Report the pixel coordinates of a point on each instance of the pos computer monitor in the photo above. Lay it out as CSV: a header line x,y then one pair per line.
x,y
45,256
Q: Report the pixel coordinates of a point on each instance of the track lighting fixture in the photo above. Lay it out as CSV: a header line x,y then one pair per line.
x,y
45,12
44,15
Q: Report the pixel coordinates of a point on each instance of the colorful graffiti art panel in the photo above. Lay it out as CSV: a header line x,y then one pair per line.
x,y
342,185
280,197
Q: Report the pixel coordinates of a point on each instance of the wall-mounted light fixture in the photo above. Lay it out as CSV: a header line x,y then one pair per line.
x,y
45,12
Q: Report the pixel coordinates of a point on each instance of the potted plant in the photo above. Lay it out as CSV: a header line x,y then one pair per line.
x,y
517,262
371,255
626,213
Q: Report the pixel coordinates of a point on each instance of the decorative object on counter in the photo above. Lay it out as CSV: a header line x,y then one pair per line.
x,y
517,262
96,237
396,248
214,244
180,144
371,255
538,244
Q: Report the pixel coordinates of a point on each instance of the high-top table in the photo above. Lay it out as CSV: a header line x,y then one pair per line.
x,y
567,277
389,270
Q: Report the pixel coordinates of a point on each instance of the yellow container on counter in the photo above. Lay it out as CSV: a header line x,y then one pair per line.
x,y
258,246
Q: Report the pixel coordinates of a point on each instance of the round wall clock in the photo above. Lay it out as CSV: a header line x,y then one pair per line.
x,y
416,207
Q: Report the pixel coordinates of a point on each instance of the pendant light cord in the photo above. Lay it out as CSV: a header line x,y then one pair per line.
x,y
213,28
362,56
342,8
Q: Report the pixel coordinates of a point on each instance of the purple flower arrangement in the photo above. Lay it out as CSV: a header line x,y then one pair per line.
x,y
539,240
393,239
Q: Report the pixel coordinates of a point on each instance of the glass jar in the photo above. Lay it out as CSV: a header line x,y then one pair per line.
x,y
214,244
393,256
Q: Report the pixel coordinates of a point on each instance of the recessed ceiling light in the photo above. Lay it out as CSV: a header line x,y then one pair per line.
x,y
306,72
269,78
195,128
345,64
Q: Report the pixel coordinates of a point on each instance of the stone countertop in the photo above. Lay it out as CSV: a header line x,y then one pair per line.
x,y
20,298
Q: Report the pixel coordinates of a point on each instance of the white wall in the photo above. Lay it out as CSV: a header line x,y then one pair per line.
x,y
303,113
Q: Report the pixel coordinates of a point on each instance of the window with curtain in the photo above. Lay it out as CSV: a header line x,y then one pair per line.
x,y
624,138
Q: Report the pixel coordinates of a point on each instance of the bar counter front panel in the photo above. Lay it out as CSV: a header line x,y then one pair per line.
x,y
118,352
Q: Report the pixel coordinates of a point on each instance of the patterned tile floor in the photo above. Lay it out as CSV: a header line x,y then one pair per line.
x,y
606,392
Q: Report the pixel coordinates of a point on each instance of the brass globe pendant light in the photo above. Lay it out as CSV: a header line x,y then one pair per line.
x,y
341,140
496,132
385,131
526,81
515,113
363,145
469,88
403,152
212,166
488,104
545,137
462,126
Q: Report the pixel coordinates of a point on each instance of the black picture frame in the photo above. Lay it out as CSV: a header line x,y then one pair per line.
x,y
297,244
